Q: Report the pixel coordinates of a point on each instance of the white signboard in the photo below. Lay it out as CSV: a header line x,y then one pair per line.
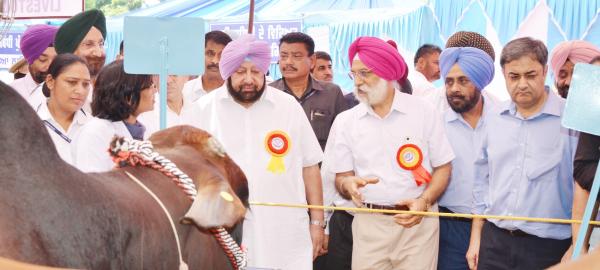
x,y
30,9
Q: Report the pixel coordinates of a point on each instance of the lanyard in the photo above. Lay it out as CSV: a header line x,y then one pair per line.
x,y
57,131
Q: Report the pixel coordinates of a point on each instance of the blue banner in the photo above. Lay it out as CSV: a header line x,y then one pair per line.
x,y
269,31
10,52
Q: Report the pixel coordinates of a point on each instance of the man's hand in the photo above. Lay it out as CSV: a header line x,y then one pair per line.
x,y
325,246
350,185
407,220
473,255
316,235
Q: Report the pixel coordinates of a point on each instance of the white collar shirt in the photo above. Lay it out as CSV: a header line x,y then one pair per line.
x,y
90,152
420,85
193,90
62,138
368,145
29,90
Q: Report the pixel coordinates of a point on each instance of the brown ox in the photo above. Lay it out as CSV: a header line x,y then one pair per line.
x,y
52,214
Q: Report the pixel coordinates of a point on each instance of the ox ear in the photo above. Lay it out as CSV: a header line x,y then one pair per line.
x,y
216,205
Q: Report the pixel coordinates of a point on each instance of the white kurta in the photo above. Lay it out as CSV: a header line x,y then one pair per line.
x,y
275,237
63,139
91,145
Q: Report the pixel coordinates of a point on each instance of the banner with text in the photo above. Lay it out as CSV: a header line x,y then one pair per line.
x,y
28,9
10,52
269,31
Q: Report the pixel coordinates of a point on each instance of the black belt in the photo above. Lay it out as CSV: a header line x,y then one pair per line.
x,y
386,207
515,233
442,209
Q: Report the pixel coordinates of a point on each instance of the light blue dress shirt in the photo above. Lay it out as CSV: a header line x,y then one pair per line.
x,y
465,141
525,167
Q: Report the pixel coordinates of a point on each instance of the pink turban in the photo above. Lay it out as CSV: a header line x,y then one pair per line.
x,y
36,39
577,51
383,59
245,48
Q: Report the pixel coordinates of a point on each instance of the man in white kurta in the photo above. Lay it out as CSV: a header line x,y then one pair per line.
x,y
268,135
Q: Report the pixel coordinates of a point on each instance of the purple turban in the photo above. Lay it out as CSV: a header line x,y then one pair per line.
x,y
475,63
36,39
245,48
578,51
383,59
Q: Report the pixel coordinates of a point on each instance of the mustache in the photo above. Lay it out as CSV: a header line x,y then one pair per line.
x,y
290,67
213,66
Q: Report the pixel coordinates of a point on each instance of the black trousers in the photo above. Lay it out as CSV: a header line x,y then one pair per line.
x,y
501,249
339,256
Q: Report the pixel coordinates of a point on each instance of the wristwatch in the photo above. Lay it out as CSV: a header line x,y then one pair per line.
x,y
318,223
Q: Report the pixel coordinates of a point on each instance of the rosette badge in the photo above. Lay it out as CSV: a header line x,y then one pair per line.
x,y
277,144
410,157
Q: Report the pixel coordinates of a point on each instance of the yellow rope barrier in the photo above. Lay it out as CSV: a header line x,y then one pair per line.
x,y
432,214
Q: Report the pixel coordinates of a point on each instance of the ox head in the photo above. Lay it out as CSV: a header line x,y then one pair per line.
x,y
222,186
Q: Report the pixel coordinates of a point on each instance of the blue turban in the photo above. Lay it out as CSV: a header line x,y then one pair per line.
x,y
475,63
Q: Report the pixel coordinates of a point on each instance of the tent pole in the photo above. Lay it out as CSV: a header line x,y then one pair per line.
x,y
251,18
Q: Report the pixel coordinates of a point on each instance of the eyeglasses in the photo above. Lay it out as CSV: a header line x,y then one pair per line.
x,y
92,44
362,74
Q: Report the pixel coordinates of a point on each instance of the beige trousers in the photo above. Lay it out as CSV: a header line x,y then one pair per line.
x,y
381,244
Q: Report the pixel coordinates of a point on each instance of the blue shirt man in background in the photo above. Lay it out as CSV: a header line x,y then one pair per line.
x,y
523,169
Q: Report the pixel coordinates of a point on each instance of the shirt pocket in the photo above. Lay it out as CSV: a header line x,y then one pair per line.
x,y
545,165
321,121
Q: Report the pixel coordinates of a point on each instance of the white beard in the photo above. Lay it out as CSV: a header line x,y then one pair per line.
x,y
375,94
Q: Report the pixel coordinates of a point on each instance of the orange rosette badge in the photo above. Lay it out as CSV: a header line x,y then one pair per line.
x,y
410,157
277,144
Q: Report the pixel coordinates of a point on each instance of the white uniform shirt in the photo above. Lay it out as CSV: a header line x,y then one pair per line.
x,y
92,143
193,90
420,85
29,90
275,237
63,140
368,145
151,119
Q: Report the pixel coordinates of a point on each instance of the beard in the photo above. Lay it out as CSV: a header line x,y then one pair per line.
x,y
95,64
38,76
461,103
563,90
374,94
245,96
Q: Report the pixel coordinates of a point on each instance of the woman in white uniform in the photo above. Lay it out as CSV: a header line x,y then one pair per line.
x,y
66,87
118,100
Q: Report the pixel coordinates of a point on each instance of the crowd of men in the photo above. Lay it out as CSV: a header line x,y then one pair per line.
x,y
396,142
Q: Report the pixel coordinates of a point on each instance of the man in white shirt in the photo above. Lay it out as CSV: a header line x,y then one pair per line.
x,y
37,47
175,106
427,70
214,42
391,152
266,132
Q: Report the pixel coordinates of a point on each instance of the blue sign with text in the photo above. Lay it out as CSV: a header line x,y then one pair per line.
x,y
269,31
